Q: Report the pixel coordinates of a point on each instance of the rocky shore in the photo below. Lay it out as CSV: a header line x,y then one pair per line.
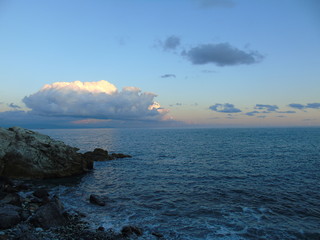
x,y
29,213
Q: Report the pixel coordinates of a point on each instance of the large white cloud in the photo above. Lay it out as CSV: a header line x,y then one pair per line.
x,y
100,100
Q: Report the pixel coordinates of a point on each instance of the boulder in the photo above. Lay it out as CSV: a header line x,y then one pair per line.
x,y
129,230
49,215
27,154
97,200
10,216
98,154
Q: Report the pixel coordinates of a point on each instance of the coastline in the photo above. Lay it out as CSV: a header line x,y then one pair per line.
x,y
27,200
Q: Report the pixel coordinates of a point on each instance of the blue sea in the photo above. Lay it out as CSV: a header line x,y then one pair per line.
x,y
200,183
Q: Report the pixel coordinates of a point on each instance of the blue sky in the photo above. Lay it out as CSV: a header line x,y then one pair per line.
x,y
216,63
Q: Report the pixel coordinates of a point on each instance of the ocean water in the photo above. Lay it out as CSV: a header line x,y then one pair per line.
x,y
201,183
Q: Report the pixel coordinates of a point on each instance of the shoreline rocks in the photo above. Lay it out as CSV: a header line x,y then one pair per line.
x,y
42,216
27,154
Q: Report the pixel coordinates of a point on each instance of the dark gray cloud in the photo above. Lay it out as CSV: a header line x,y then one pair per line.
x,y
269,108
168,76
303,107
221,54
216,3
171,43
14,106
224,108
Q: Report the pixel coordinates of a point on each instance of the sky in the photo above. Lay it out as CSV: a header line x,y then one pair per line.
x,y
159,63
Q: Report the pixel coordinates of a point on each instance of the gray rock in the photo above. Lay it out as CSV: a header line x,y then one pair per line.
x,y
95,199
129,230
27,154
10,216
11,198
48,215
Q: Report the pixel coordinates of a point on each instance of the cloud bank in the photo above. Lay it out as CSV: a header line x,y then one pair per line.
x,y
100,100
221,54
224,108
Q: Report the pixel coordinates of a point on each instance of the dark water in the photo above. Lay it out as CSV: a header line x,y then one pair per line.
x,y
202,183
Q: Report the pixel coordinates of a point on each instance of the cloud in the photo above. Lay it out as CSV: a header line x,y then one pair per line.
x,y
253,113
14,106
313,105
290,112
221,54
171,43
216,3
168,76
269,108
297,106
94,100
302,107
224,108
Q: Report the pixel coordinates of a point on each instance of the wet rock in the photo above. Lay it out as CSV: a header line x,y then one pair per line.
x,y
41,193
119,155
10,198
27,154
48,215
157,234
10,216
129,230
97,155
97,200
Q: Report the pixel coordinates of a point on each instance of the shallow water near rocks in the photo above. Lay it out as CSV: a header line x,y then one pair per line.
x,y
200,183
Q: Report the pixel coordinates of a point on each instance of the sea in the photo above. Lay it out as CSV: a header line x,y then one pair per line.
x,y
230,184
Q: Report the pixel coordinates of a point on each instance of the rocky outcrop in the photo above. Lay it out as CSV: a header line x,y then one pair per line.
x,y
99,155
27,154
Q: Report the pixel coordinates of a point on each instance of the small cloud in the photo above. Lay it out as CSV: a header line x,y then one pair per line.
x,y
208,71
297,106
302,107
253,113
289,112
224,108
261,116
14,106
269,108
221,54
171,43
313,105
216,3
168,76
281,116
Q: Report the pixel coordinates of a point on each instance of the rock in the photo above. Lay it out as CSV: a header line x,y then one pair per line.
x,y
27,154
48,215
10,216
97,155
5,184
10,198
41,193
120,155
129,230
95,199
157,234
